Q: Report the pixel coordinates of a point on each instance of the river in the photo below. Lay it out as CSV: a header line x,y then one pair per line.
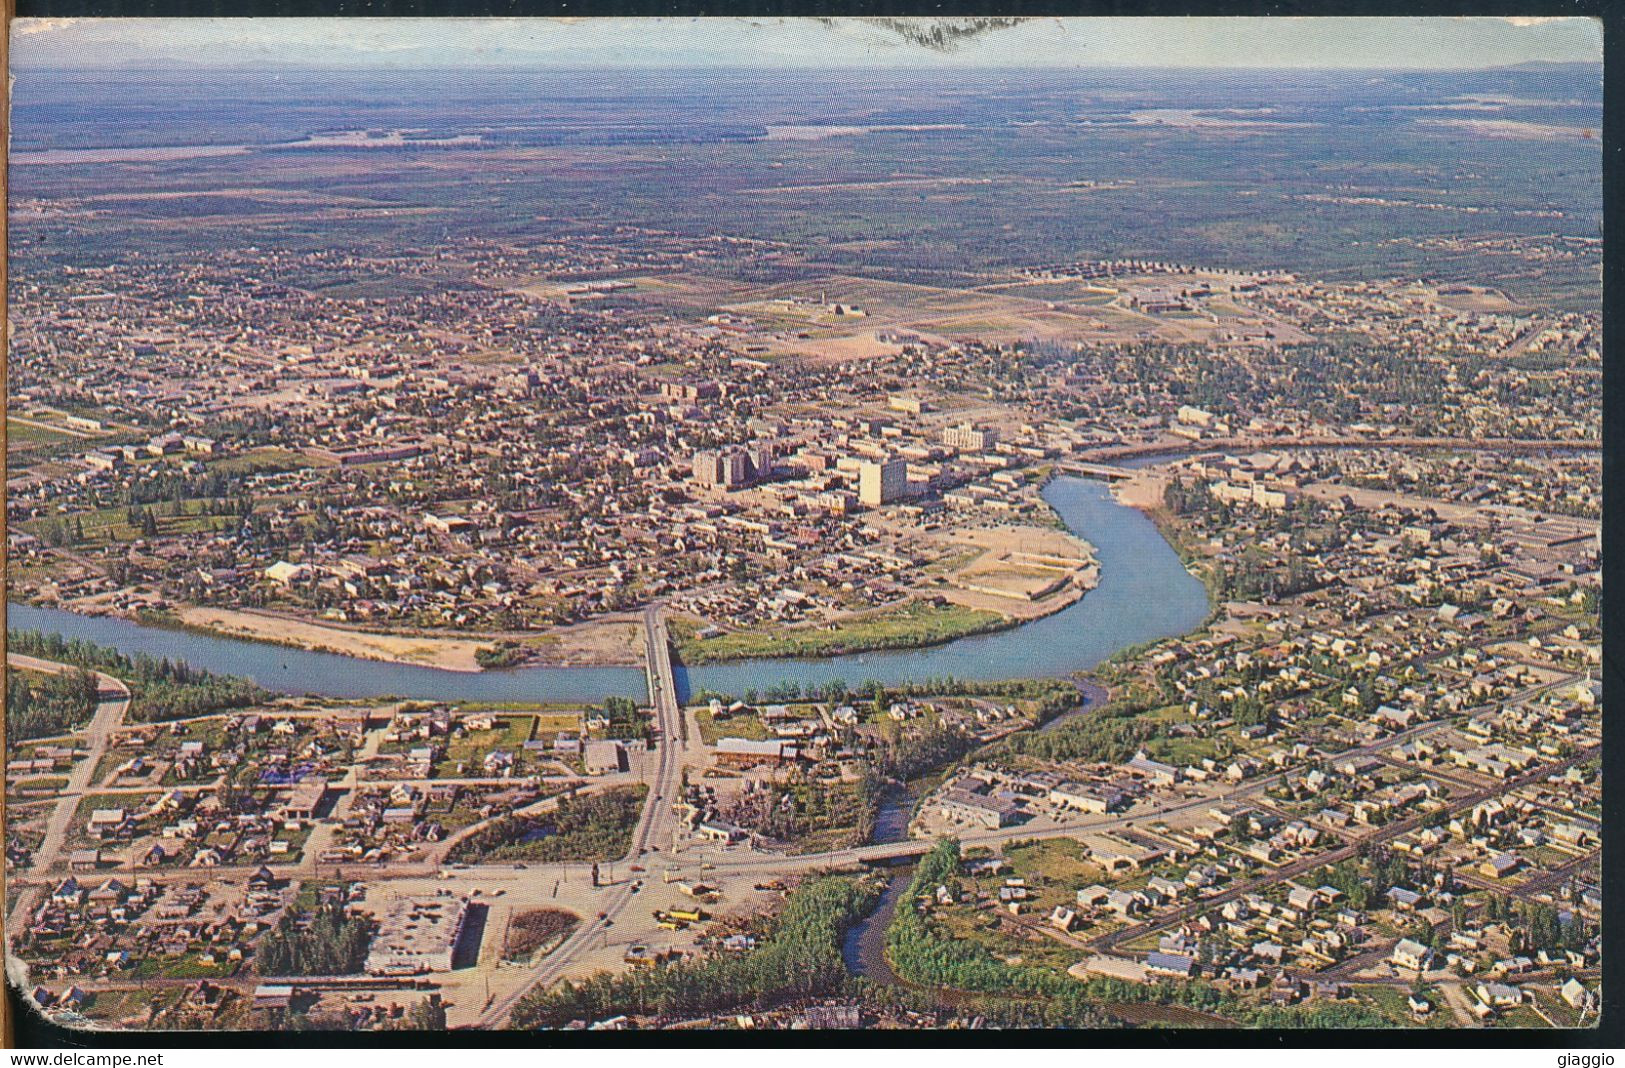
x,y
1145,593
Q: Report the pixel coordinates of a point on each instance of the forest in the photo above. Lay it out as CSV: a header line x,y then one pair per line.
x,y
39,705
332,942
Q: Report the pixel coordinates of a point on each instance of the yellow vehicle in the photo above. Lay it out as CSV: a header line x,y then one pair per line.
x,y
687,915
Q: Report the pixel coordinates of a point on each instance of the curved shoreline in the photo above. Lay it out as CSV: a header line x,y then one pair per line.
x,y
1144,593
360,651
220,630
460,653
1074,588
356,649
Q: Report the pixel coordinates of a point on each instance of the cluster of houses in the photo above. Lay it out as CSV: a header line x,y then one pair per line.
x,y
386,821
181,828
817,732
275,749
42,759
86,929
418,740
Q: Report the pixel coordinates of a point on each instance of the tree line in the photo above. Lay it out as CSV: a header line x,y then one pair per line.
x,y
161,689
1053,695
799,956
1112,735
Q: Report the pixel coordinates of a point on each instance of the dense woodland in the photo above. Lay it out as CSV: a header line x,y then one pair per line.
x,y
626,720
39,705
332,942
160,689
1113,734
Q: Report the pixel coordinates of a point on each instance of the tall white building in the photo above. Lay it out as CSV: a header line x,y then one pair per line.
x,y
969,439
882,482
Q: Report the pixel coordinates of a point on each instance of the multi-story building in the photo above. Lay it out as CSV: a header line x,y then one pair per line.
x,y
969,439
708,468
732,468
882,482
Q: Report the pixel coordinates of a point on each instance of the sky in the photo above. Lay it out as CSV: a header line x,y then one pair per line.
x,y
1408,43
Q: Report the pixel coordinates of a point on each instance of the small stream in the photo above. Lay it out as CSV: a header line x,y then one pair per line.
x,y
864,948
1091,695
896,809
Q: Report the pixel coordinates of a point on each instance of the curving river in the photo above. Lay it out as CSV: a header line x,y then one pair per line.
x,y
1145,593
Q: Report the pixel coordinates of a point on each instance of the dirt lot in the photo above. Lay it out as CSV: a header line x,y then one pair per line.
x,y
1023,572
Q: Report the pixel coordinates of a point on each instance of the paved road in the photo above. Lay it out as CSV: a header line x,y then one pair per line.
x,y
115,702
658,819
752,863
656,824
677,748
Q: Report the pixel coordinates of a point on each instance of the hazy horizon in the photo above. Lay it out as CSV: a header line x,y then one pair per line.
x,y
1221,43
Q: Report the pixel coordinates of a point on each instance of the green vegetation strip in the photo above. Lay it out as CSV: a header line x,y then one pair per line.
x,y
160,690
332,942
912,626
39,705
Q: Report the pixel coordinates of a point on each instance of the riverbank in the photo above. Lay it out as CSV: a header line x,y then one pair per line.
x,y
1208,571
1003,577
450,654
1144,594
600,643
1023,571
994,597
1014,576
917,625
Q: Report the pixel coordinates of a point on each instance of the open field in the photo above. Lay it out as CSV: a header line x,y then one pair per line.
x,y
595,643
1024,571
